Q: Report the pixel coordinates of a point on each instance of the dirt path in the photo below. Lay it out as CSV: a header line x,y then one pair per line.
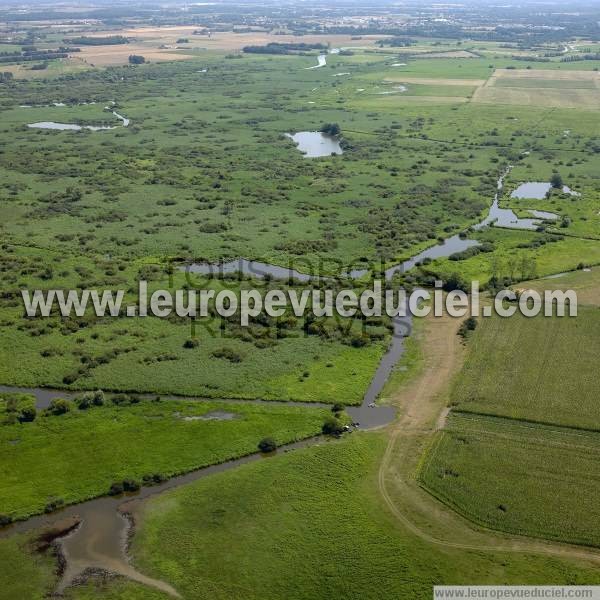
x,y
423,411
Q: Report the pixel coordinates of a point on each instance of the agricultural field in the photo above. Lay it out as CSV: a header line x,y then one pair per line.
x,y
506,353
538,472
524,407
544,88
585,283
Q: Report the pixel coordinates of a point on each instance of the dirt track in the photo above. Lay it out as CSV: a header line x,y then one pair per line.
x,y
422,411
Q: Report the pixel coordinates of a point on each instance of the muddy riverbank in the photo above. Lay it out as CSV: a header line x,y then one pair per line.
x,y
93,536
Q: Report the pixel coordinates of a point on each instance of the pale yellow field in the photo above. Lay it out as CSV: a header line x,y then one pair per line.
x,y
102,56
546,97
147,42
436,81
451,54
545,74
229,40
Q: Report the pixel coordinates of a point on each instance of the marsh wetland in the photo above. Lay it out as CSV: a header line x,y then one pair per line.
x,y
297,148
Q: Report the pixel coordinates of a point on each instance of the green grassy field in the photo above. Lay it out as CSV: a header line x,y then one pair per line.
x,y
537,369
308,524
585,283
538,473
79,455
305,524
520,255
523,434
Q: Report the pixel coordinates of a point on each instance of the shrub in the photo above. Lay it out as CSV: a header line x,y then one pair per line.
x,y
98,398
227,354
69,379
27,414
468,325
54,505
331,129
153,479
192,343
556,181
332,426
130,485
267,445
116,488
455,282
337,408
358,341
58,406
5,520
85,401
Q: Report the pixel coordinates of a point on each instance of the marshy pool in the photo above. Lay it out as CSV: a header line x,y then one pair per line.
x,y
74,127
537,190
65,126
314,143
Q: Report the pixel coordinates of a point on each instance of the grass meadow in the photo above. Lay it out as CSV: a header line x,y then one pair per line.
x,y
307,524
537,488
78,455
534,369
519,452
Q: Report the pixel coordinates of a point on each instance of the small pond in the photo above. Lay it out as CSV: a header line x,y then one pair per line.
x,y
314,143
64,126
213,415
74,127
395,90
537,190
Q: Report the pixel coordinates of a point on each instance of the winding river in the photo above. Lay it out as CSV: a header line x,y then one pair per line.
x,y
99,542
498,217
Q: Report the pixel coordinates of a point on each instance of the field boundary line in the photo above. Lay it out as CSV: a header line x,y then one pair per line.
x,y
557,427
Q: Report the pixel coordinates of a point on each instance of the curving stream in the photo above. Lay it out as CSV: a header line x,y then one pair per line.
x,y
100,540
321,62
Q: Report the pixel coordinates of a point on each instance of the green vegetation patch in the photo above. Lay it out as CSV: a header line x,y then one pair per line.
x,y
69,457
519,255
305,524
309,524
538,369
519,477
